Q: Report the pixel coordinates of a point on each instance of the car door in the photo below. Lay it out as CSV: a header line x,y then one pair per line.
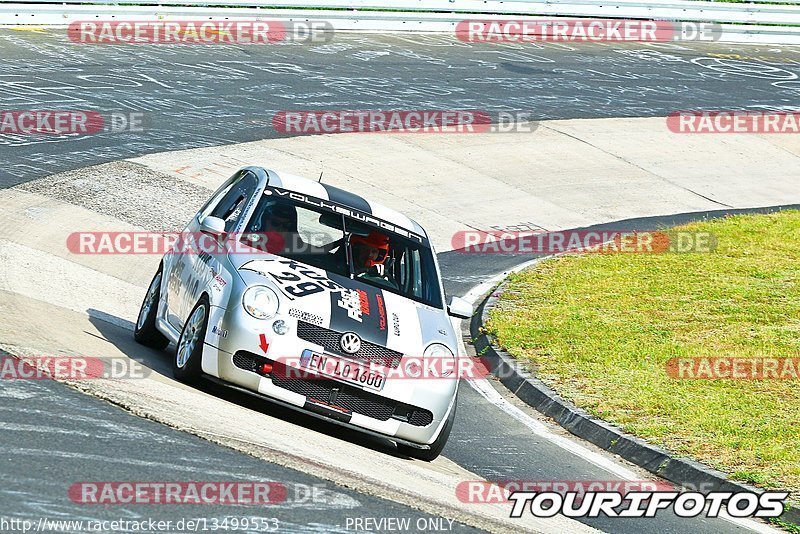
x,y
177,261
200,267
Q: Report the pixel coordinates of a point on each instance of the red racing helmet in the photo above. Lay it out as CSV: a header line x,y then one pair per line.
x,y
375,240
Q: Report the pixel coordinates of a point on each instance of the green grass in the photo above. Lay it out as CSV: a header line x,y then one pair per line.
x,y
599,329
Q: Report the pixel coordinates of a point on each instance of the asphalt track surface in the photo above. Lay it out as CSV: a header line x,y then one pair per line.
x,y
198,96
201,95
53,437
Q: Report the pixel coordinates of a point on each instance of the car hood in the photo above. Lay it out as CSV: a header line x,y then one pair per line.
x,y
342,304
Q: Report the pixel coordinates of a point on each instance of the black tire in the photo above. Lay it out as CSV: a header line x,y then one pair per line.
x,y
190,370
145,331
428,455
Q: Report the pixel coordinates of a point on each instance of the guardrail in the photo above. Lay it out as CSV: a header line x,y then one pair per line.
x,y
691,10
766,21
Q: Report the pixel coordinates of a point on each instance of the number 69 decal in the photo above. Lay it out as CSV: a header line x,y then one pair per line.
x,y
303,289
293,285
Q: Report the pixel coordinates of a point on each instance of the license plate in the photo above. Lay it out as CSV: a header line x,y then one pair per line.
x,y
346,370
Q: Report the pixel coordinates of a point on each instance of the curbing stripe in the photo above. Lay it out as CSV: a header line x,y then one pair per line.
x,y
535,393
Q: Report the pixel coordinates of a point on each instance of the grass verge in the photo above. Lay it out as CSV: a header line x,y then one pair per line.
x,y
600,329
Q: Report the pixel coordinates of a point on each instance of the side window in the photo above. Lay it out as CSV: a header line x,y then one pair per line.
x,y
416,266
416,274
402,273
218,194
230,207
409,274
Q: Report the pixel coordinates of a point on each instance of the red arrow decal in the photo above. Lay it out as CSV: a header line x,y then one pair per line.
x,y
263,343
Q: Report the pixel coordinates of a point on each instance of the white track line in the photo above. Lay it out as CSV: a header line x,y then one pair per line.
x,y
494,397
540,429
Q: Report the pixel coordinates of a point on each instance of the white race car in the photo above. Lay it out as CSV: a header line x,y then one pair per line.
x,y
313,297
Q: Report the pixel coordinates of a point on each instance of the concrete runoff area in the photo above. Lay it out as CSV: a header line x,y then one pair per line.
x,y
566,174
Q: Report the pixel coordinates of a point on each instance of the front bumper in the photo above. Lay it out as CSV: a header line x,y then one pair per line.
x,y
237,333
324,417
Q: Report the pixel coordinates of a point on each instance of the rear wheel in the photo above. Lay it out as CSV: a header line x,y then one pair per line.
x,y
186,366
146,332
428,455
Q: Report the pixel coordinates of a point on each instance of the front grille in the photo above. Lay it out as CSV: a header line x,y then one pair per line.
x,y
349,398
355,400
420,418
352,399
329,340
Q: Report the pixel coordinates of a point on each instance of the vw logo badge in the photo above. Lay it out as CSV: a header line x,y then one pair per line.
x,y
350,342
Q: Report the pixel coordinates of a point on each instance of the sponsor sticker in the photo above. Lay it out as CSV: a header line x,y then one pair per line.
x,y
219,331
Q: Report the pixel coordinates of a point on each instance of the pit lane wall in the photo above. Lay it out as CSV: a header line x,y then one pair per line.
x,y
762,21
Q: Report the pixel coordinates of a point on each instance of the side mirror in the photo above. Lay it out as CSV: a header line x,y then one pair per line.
x,y
213,225
460,308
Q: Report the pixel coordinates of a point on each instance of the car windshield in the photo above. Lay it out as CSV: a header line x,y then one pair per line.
x,y
346,246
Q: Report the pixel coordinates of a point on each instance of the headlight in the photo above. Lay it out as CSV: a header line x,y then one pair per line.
x,y
437,350
260,301
443,365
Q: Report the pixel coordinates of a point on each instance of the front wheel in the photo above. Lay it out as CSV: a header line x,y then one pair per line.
x,y
186,366
146,331
428,455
